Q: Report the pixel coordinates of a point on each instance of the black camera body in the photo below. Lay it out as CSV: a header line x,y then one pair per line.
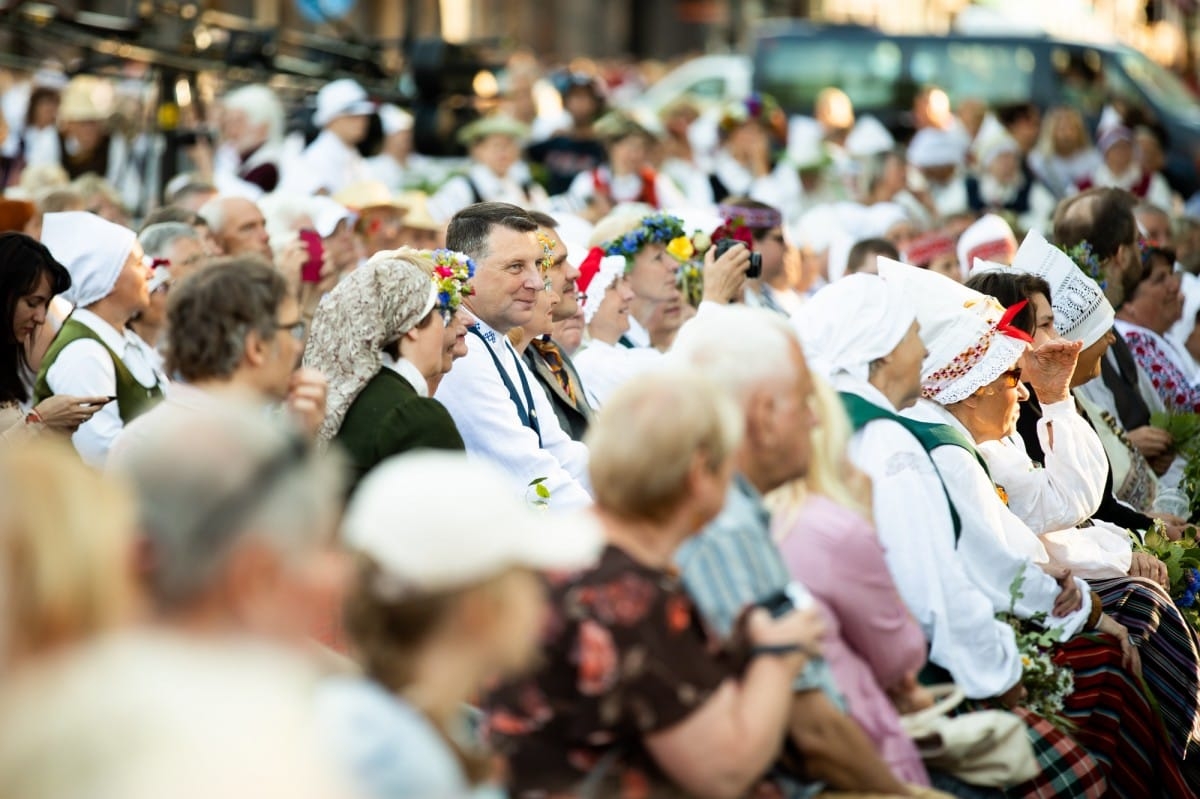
x,y
755,270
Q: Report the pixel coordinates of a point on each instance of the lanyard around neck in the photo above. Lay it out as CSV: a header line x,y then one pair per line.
x,y
526,410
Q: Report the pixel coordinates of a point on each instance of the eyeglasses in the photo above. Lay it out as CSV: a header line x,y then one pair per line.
x,y
1012,377
295,328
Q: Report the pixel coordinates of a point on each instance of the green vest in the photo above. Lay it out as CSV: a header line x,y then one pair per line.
x,y
930,435
133,399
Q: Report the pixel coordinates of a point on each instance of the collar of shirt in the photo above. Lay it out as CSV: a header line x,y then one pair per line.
x,y
491,185
330,147
125,343
409,371
929,411
639,335
753,500
862,388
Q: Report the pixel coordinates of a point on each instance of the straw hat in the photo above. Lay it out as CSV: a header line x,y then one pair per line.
x,y
86,98
416,206
367,194
499,125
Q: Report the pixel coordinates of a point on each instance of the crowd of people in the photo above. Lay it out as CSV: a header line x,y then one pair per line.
x,y
715,455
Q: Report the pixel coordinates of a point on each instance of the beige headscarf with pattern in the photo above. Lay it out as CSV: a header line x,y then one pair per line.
x,y
371,307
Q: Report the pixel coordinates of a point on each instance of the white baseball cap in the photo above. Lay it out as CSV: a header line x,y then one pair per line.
x,y
341,98
436,521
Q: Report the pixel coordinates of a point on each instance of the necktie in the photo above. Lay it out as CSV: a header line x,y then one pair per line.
x,y
554,359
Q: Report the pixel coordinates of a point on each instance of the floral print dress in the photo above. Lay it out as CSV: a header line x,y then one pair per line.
x,y
625,655
1172,385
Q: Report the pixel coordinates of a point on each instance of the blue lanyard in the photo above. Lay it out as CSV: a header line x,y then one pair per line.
x,y
526,411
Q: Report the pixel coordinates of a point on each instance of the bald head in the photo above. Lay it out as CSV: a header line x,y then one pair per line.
x,y
238,226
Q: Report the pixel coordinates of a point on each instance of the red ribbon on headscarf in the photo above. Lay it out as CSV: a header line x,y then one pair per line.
x,y
588,269
1005,324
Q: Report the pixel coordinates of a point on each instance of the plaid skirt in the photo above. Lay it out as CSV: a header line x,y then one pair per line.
x,y
1067,768
1116,722
1170,654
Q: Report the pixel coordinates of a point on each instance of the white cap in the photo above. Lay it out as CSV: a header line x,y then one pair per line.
x,y
849,324
868,137
967,341
92,249
805,143
932,147
1081,311
989,238
394,119
341,98
436,521
326,214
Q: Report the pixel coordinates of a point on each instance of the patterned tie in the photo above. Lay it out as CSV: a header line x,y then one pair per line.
x,y
554,359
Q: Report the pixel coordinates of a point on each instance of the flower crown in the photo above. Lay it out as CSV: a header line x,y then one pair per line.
x,y
759,107
547,259
655,229
451,273
1085,258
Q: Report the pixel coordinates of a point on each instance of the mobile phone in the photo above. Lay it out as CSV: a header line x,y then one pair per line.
x,y
311,271
777,604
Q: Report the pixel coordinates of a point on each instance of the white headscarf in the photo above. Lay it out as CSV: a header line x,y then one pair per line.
x,y
92,249
851,323
1081,311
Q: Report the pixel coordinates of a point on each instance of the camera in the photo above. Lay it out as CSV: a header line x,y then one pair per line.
x,y
755,270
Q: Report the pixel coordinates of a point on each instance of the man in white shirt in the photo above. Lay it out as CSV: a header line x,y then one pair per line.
x,y
331,162
496,172
493,396
94,354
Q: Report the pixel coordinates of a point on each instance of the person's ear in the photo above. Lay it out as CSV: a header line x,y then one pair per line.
x,y
254,349
760,418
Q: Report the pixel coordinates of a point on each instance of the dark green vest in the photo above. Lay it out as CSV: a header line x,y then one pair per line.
x,y
930,434
133,399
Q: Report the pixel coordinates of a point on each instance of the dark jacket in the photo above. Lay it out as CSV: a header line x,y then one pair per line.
x,y
573,417
387,418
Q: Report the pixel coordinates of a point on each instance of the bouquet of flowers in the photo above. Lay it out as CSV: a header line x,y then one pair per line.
x,y
689,251
1185,430
1047,683
1182,559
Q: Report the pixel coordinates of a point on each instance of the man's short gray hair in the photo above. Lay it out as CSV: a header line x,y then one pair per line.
x,y
737,347
158,237
206,481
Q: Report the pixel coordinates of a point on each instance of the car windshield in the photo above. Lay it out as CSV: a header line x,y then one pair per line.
x,y
1160,86
995,72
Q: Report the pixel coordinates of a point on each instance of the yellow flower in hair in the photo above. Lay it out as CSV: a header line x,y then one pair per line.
x,y
681,248
547,259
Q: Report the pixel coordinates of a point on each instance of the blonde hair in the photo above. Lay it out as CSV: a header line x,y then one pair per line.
x,y
830,472
66,548
646,438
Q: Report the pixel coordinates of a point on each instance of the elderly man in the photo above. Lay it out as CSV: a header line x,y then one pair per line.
x,y
733,563
237,514
93,354
551,365
238,226
492,393
234,329
252,129
176,243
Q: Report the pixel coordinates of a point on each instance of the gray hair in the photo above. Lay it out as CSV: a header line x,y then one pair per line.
x,y
261,106
158,237
207,482
739,348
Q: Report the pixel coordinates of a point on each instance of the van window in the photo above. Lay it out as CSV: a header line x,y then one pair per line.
x,y
995,72
795,70
1080,72
1163,89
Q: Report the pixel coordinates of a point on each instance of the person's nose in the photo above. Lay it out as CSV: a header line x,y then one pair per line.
x,y
533,279
1022,392
39,316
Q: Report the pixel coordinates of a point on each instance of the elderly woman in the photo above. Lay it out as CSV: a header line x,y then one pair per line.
x,y
633,696
377,406
604,365
93,353
861,332
971,386
1055,499
1143,320
446,600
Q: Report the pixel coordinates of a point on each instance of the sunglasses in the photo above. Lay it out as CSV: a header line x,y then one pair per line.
x,y
1012,378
